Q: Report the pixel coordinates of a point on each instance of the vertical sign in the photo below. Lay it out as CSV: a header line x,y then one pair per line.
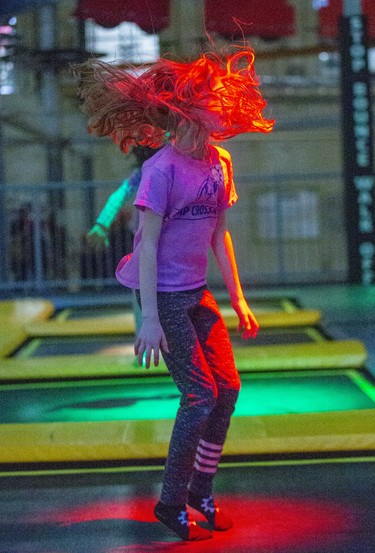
x,y
358,149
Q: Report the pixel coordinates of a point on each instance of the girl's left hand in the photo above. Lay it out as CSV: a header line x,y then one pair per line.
x,y
248,325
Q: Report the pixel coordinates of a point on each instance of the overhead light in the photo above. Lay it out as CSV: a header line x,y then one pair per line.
x,y
8,38
317,4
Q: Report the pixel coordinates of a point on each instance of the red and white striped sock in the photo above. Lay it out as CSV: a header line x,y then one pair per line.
x,y
207,457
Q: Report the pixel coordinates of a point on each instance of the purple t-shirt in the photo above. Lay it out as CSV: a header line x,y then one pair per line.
x,y
189,194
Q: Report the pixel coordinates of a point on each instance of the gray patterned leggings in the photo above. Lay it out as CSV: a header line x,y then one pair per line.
x,y
202,366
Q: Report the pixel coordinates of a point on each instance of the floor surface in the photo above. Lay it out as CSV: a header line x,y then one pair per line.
x,y
314,506
301,508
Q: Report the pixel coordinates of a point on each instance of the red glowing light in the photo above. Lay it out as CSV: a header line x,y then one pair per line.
x,y
141,108
262,524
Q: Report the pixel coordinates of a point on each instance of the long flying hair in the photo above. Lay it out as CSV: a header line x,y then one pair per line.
x,y
140,108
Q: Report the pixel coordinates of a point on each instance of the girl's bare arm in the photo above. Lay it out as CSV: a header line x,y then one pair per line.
x,y
151,337
222,246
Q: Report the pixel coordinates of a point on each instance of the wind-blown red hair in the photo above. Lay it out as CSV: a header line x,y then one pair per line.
x,y
140,109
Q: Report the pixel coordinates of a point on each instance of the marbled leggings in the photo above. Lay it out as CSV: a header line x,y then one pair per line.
x,y
202,366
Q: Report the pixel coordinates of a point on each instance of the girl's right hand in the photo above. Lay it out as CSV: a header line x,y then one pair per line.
x,y
150,338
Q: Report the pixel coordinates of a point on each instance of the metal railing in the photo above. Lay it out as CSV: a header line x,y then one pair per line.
x,y
286,229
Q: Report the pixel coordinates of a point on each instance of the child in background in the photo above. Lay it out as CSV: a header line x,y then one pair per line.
x,y
98,236
182,198
122,197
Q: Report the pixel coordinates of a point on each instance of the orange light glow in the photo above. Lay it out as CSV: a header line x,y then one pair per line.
x,y
141,108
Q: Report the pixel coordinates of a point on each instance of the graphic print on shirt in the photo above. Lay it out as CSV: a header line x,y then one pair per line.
x,y
206,203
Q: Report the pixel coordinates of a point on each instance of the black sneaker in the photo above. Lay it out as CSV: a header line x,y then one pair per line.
x,y
177,519
215,516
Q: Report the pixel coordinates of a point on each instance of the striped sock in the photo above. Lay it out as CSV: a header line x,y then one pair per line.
x,y
207,457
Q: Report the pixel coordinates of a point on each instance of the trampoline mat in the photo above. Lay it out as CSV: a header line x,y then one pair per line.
x,y
278,336
158,398
109,344
76,345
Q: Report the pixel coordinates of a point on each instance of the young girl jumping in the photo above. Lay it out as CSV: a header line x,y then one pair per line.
x,y
183,195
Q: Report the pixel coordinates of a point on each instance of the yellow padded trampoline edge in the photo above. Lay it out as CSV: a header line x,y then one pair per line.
x,y
351,430
124,324
341,354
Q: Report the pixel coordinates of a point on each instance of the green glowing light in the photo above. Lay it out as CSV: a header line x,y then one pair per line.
x,y
148,398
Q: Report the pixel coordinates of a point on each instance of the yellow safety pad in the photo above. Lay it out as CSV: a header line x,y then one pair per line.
x,y
315,355
88,441
330,431
74,366
11,338
278,319
13,315
124,324
342,354
23,311
117,324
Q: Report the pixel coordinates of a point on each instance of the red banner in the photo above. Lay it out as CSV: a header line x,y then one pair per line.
x,y
150,15
329,18
233,19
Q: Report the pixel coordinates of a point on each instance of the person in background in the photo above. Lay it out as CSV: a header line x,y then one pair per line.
x,y
123,197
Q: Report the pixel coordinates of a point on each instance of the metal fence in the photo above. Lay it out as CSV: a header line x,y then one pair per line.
x,y
286,229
